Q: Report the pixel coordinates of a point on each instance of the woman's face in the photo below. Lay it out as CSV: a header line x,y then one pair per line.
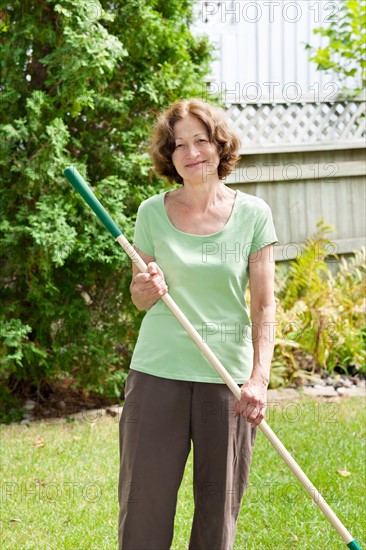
x,y
195,158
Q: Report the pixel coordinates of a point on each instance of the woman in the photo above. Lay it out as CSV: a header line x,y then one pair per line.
x,y
203,241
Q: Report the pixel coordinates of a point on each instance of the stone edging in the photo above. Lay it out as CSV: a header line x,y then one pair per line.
x,y
92,416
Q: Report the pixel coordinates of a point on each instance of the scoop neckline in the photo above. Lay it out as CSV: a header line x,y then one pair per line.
x,y
194,234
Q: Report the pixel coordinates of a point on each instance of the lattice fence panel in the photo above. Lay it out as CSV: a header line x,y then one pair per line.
x,y
278,123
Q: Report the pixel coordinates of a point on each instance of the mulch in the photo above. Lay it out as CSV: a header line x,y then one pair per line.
x,y
61,399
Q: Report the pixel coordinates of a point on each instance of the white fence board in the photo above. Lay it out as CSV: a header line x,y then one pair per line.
x,y
264,41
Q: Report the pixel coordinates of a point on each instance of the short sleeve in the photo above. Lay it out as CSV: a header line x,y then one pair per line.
x,y
264,230
142,238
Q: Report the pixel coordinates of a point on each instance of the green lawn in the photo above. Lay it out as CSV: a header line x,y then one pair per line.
x,y
59,482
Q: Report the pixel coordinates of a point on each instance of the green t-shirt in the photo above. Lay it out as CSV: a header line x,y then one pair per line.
x,y
207,276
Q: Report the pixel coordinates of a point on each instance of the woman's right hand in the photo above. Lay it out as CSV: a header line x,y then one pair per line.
x,y
147,288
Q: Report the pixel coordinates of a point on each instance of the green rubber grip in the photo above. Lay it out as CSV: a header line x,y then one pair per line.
x,y
353,545
78,182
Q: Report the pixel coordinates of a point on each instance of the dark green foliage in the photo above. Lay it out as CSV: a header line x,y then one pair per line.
x,y
81,85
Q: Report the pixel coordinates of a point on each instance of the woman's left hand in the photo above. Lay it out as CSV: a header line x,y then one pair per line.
x,y
253,402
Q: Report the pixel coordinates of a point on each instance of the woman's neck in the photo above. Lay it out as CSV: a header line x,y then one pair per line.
x,y
204,195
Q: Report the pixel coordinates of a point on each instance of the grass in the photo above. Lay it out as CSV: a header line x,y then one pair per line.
x,y
59,482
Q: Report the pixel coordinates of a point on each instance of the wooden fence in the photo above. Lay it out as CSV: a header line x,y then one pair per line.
x,y
307,161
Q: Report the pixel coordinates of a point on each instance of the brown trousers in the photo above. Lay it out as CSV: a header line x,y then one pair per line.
x,y
160,419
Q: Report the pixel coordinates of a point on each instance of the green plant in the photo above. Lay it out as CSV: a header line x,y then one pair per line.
x,y
320,315
345,53
82,83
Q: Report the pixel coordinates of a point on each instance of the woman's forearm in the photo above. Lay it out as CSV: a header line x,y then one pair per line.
x,y
263,338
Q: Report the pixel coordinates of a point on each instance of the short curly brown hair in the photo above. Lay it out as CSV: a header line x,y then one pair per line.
x,y
162,142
